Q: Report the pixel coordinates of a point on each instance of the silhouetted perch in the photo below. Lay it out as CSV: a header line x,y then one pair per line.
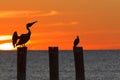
x,y
53,63
79,63
21,63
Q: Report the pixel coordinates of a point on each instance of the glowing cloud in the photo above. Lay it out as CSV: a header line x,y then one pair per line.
x,y
6,37
11,14
62,23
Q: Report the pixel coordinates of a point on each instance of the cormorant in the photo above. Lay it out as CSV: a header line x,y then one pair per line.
x,y
23,38
76,41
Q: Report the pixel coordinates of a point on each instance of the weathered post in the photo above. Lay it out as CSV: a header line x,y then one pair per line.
x,y
21,63
53,63
79,63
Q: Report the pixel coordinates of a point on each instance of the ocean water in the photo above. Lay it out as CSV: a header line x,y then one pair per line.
x,y
99,65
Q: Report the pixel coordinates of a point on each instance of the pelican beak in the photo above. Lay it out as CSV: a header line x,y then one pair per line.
x,y
35,21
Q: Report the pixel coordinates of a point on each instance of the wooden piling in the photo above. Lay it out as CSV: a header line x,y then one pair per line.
x,y
79,63
53,63
21,63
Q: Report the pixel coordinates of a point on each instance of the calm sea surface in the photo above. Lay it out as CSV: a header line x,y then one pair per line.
x,y
99,65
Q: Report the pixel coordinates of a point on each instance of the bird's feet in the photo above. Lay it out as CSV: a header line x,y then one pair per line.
x,y
23,45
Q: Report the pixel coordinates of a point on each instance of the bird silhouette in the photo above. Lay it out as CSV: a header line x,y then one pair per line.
x,y
23,38
76,41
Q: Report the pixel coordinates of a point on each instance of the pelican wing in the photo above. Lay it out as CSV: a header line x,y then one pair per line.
x,y
14,38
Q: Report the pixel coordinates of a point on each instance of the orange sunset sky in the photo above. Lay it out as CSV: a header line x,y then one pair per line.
x,y
97,22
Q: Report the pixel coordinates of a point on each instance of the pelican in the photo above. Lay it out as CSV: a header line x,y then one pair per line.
x,y
23,38
76,41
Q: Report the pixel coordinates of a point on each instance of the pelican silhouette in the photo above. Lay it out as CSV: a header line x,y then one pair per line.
x,y
23,38
76,41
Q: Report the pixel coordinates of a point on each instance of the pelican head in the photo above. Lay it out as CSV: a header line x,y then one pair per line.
x,y
30,24
77,37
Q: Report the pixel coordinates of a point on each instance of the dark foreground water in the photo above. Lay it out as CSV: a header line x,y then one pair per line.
x,y
99,65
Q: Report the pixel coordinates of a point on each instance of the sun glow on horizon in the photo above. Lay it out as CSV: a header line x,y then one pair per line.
x,y
6,46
